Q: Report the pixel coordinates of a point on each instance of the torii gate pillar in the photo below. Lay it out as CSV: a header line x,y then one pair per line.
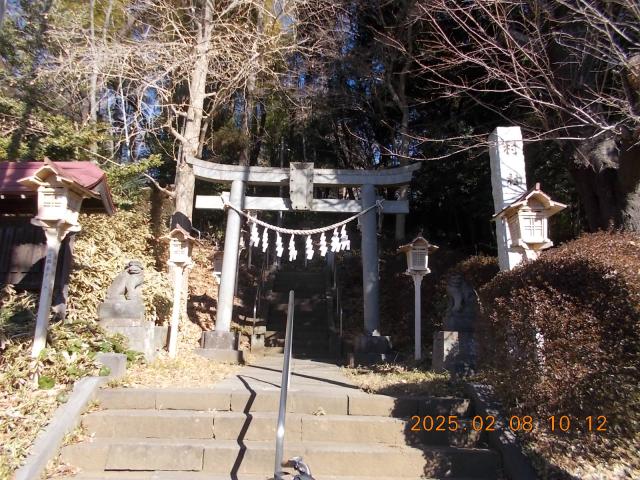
x,y
370,274
221,337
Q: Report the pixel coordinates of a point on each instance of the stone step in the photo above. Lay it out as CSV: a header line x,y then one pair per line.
x,y
187,424
300,280
276,328
301,318
311,292
324,458
303,306
299,284
336,402
317,328
317,342
310,328
208,476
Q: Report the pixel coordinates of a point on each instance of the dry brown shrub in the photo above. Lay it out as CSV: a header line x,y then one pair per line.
x,y
561,336
478,270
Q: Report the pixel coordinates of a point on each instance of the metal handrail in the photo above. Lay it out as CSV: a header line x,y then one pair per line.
x,y
286,379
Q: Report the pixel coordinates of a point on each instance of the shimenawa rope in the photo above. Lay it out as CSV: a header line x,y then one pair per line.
x,y
290,231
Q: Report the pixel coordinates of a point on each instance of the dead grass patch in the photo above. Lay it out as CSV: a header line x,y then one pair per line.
x,y
187,370
24,413
398,379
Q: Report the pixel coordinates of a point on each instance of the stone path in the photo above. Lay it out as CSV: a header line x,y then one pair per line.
x,y
265,374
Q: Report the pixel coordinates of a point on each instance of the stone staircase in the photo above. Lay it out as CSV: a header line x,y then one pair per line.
x,y
228,432
312,334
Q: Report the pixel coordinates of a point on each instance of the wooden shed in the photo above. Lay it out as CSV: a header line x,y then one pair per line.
x,y
22,245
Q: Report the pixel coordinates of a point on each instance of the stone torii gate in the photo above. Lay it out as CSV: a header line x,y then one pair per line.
x,y
301,179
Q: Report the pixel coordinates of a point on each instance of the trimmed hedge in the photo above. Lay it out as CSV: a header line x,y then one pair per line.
x,y
561,336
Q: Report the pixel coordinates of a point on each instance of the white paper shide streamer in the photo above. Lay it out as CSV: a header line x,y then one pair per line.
x,y
254,240
293,253
265,240
335,241
323,244
279,247
345,243
309,247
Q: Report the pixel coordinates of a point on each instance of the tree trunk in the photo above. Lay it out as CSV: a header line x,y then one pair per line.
x,y
29,85
259,136
400,98
190,138
607,177
185,179
3,9
629,176
399,95
250,104
93,81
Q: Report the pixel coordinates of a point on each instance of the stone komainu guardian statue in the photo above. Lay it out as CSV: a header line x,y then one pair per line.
x,y
123,312
128,284
123,303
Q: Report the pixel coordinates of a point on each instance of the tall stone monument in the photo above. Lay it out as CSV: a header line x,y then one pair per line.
x,y
508,182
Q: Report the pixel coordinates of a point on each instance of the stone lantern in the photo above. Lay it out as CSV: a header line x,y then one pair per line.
x,y
418,266
527,219
180,245
418,255
60,198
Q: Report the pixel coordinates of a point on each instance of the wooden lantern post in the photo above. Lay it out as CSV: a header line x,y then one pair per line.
x,y
418,266
59,202
180,247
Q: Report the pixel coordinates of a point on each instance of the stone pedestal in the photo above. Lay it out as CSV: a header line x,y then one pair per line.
x,y
217,339
141,338
127,318
121,312
454,352
369,349
257,338
372,344
220,346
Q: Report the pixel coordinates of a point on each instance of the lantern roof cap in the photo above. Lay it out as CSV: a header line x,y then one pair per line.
x,y
19,182
418,241
180,232
551,207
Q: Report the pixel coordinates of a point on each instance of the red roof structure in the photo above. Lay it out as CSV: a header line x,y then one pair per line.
x,y
16,198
